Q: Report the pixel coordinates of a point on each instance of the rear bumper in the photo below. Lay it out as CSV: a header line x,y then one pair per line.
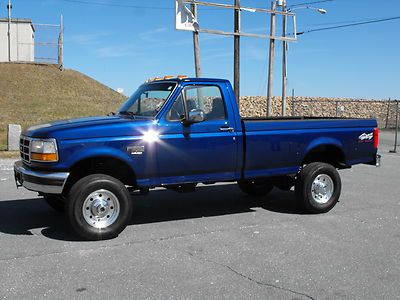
x,y
39,181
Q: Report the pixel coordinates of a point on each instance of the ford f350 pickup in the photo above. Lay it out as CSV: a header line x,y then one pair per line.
x,y
176,133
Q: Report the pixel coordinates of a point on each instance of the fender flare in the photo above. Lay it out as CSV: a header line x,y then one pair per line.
x,y
331,143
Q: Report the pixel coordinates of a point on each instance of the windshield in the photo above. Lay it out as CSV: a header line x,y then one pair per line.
x,y
148,99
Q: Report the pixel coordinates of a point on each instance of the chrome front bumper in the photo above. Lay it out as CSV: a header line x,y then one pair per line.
x,y
39,181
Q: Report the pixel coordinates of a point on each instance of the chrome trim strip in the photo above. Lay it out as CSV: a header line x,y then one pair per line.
x,y
47,189
20,173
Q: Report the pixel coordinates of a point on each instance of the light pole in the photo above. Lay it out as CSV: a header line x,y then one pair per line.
x,y
196,44
271,59
320,10
9,7
236,55
284,48
284,60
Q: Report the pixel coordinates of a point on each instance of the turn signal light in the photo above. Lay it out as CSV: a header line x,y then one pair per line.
x,y
44,156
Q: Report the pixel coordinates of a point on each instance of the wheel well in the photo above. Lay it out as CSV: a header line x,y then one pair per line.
x,y
101,165
328,154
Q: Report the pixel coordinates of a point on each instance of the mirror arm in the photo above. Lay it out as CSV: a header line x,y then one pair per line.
x,y
186,123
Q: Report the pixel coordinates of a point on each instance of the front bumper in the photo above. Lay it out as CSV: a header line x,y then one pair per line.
x,y
39,181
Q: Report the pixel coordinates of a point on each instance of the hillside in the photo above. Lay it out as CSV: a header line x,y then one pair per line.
x,y
33,94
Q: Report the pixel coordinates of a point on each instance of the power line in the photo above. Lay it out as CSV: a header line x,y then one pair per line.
x,y
341,22
117,5
349,25
124,5
352,23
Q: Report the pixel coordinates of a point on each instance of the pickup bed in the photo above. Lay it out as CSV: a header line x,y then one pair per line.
x,y
176,133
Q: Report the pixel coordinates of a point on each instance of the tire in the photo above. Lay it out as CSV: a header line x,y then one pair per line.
x,y
318,187
256,187
99,207
56,202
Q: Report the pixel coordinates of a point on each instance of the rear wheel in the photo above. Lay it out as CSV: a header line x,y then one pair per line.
x,y
256,187
99,207
318,187
56,202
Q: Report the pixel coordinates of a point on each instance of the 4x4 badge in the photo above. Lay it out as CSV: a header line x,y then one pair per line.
x,y
366,137
135,150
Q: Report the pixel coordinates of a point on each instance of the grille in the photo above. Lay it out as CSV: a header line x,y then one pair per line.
x,y
24,144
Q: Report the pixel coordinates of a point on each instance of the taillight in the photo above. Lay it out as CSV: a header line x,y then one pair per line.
x,y
376,138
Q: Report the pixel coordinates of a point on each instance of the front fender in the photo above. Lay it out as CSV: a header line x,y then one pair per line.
x,y
143,164
91,152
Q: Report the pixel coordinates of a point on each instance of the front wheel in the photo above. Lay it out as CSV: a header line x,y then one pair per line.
x,y
99,207
318,187
256,187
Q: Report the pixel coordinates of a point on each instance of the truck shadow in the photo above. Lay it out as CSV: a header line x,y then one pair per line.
x,y
163,205
22,217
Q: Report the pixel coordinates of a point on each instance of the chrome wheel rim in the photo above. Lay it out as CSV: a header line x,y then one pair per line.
x,y
101,209
322,188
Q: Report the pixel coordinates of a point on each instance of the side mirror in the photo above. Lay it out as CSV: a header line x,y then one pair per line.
x,y
195,116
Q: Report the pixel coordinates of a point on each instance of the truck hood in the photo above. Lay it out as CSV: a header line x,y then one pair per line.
x,y
90,127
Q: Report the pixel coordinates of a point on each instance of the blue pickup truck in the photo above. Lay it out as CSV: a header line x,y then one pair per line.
x,y
176,133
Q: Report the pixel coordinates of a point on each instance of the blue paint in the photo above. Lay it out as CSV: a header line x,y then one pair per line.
x,y
200,152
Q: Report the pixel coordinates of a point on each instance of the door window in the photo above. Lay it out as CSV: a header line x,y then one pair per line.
x,y
177,111
206,98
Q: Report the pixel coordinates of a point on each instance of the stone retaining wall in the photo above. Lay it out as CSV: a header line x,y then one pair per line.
x,y
382,110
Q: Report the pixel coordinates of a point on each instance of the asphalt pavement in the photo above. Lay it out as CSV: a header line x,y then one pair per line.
x,y
217,243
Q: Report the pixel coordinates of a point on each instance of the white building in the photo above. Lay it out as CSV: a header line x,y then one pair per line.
x,y
22,34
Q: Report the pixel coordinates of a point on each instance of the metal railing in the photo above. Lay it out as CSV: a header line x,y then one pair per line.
x,y
47,44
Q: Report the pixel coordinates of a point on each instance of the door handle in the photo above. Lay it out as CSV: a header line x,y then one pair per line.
x,y
226,129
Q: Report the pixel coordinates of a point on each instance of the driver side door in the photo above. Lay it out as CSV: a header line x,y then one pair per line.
x,y
202,151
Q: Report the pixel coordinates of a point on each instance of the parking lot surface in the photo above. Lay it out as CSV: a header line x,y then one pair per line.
x,y
217,243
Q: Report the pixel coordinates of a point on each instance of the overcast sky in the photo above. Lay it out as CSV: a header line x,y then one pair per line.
x,y
124,42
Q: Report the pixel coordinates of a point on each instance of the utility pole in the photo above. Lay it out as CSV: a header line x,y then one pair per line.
x,y
185,19
61,46
236,59
396,129
9,7
196,44
293,108
284,60
271,59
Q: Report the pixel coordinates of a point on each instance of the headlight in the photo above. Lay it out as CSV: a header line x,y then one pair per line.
x,y
44,150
